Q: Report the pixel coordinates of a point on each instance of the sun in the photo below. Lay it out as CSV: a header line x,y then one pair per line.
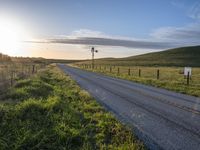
x,y
12,34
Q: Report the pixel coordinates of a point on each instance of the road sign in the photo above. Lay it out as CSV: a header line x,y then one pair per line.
x,y
188,70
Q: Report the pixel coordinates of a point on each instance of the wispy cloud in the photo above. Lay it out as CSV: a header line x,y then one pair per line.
x,y
178,4
191,9
97,38
162,38
112,42
194,11
189,34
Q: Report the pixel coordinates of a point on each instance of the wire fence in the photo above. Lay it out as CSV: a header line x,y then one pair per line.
x,y
161,74
11,72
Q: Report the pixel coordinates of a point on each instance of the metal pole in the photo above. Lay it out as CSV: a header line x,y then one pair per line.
x,y
93,51
93,58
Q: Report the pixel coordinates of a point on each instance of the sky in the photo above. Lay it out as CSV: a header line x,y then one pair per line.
x,y
67,29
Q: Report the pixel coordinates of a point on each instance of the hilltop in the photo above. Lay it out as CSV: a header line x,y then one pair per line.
x,y
183,56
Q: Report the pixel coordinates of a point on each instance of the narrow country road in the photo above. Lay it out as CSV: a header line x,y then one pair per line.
x,y
161,118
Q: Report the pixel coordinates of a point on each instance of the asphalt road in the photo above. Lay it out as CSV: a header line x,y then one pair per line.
x,y
161,118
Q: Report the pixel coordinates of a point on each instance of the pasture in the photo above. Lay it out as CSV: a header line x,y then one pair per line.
x,y
171,78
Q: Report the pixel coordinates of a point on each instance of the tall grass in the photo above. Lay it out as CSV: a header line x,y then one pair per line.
x,y
171,78
50,111
13,71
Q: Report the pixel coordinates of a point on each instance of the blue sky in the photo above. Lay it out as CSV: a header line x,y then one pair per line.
x,y
119,28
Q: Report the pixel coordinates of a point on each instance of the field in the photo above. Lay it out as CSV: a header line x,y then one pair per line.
x,y
179,57
171,78
10,72
50,111
15,68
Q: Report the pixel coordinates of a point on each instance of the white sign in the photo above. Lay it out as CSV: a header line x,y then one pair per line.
x,y
186,70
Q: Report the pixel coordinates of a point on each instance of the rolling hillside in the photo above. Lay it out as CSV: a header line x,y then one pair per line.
x,y
184,56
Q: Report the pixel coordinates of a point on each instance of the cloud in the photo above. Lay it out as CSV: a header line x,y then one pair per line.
x,y
194,11
189,34
191,8
96,38
178,4
112,42
86,33
162,38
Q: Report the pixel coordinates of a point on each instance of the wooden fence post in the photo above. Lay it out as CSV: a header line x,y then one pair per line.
x,y
36,69
188,78
129,71
158,74
33,69
139,72
118,70
11,79
110,69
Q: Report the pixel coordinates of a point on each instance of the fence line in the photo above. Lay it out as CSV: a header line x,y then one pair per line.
x,y
9,73
143,72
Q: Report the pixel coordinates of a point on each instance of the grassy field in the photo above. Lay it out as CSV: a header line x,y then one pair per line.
x,y
10,72
50,111
180,57
170,77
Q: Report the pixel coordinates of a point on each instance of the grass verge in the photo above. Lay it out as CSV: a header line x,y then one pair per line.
x,y
50,111
169,79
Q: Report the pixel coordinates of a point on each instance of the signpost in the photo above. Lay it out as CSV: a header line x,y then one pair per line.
x,y
188,74
188,70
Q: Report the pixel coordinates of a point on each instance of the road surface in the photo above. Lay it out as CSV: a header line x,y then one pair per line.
x,y
161,118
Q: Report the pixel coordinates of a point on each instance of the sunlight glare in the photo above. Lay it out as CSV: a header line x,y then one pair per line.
x,y
11,36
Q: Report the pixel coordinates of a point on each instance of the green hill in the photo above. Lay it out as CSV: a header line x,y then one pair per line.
x,y
184,56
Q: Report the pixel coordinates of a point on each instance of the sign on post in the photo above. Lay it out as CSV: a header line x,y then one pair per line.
x,y
187,70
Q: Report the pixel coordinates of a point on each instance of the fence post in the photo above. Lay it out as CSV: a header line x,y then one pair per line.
x,y
33,70
129,71
139,72
11,79
110,69
158,74
118,70
188,78
36,69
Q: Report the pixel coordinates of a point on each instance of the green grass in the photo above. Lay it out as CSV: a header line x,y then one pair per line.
x,y
184,56
169,62
50,111
170,77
